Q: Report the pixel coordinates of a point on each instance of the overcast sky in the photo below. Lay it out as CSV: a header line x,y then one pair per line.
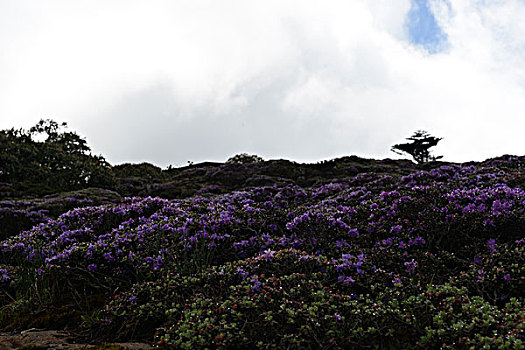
x,y
174,81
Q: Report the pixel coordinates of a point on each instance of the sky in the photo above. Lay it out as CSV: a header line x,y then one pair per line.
x,y
172,81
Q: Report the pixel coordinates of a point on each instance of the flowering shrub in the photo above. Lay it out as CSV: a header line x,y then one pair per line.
x,y
21,215
244,158
430,259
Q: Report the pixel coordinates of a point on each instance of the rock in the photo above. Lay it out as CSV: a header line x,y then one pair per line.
x,y
39,339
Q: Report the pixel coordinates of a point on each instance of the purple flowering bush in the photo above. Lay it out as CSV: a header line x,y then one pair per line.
x,y
419,259
20,215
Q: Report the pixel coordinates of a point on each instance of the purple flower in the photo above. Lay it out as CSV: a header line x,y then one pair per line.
x,y
396,229
92,267
497,208
345,279
157,263
481,275
337,316
256,284
18,246
416,241
387,242
132,299
340,244
347,257
268,255
353,232
4,276
507,278
488,222
491,243
304,257
470,208
239,245
109,257
411,266
242,273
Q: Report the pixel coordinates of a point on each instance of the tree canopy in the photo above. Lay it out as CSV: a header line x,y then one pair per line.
x,y
47,158
244,158
422,141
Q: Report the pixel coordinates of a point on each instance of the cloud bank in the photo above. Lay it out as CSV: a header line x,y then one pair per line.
x,y
167,82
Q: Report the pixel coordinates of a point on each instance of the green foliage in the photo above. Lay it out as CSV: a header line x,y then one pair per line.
x,y
244,158
143,170
47,159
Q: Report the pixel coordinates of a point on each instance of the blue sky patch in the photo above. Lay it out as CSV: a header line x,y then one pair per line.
x,y
423,29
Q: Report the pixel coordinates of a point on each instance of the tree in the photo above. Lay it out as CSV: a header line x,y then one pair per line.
x,y
419,147
50,158
244,158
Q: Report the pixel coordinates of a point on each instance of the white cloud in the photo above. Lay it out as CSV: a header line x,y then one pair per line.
x,y
299,79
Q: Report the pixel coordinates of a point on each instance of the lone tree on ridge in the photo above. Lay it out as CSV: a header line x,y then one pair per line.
x,y
418,148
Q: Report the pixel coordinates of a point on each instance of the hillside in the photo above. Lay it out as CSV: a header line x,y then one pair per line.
x,y
348,253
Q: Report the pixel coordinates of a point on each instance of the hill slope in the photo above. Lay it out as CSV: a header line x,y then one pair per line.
x,y
349,253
